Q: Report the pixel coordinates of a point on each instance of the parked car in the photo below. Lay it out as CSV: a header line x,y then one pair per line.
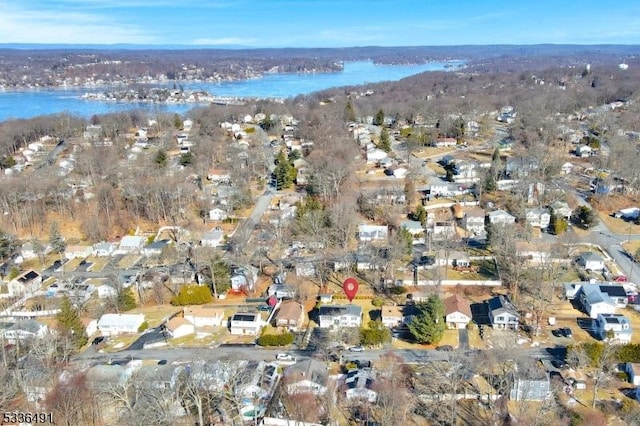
x,y
98,340
444,348
567,332
162,362
557,332
357,349
285,357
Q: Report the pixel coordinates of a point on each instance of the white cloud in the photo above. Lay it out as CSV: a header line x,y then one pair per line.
x,y
54,26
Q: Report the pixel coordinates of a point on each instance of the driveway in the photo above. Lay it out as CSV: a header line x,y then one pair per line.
x,y
463,338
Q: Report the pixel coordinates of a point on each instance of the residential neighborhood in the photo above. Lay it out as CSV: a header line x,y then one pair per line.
x,y
339,261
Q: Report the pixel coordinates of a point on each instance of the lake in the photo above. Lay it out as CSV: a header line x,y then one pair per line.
x,y
31,103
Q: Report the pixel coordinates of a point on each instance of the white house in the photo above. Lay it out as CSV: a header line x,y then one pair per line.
x,y
337,316
27,251
203,316
213,238
115,324
131,244
218,176
413,227
396,316
78,252
246,323
538,218
561,209
372,232
444,142
501,217
591,261
106,291
358,384
443,230
452,258
615,324
24,330
25,283
104,249
457,311
595,302
179,327
584,151
566,168
217,214
375,155
502,313
473,220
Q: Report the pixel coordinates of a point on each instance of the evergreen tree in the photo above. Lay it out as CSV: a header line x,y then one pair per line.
x,y
378,120
375,335
284,172
161,157
420,215
385,141
186,158
70,325
125,300
428,326
177,121
56,240
349,112
8,245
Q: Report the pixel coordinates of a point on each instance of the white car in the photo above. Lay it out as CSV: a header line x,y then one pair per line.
x,y
357,349
285,357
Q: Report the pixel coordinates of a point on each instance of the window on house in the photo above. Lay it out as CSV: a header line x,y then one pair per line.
x,y
499,318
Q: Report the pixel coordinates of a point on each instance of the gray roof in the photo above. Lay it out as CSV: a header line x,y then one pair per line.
x,y
338,310
502,304
590,256
309,369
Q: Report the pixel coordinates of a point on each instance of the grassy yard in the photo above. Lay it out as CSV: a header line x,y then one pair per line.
x,y
156,315
98,263
117,343
213,335
631,246
619,226
450,338
128,261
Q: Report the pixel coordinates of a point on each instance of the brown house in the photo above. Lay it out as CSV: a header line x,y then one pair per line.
x,y
290,315
457,311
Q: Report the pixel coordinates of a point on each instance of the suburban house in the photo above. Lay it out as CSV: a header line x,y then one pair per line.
x,y
106,291
502,313
538,218
397,315
566,168
155,248
591,261
179,327
204,316
561,209
443,229
501,217
26,283
473,220
446,189
131,244
337,316
28,251
246,323
358,384
78,252
633,371
466,172
217,214
372,232
584,151
531,384
452,258
23,330
457,311
115,324
444,142
308,376
413,227
601,299
516,167
218,176
290,315
617,325
104,249
533,253
281,291
375,155
213,238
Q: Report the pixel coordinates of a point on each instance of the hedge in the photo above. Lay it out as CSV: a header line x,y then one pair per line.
x,y
283,339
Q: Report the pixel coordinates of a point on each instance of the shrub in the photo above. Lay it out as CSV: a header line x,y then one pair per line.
x,y
283,339
398,290
377,302
622,376
143,326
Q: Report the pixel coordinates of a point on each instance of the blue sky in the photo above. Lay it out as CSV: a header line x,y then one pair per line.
x,y
319,23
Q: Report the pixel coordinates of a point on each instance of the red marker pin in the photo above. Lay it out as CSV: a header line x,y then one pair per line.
x,y
350,287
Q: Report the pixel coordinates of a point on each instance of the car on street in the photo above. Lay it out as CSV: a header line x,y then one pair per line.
x,y
284,357
356,349
162,362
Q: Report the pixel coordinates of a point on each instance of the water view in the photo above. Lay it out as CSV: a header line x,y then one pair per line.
x,y
31,103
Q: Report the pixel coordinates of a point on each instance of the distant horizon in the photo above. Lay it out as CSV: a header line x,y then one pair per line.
x,y
318,24
135,46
